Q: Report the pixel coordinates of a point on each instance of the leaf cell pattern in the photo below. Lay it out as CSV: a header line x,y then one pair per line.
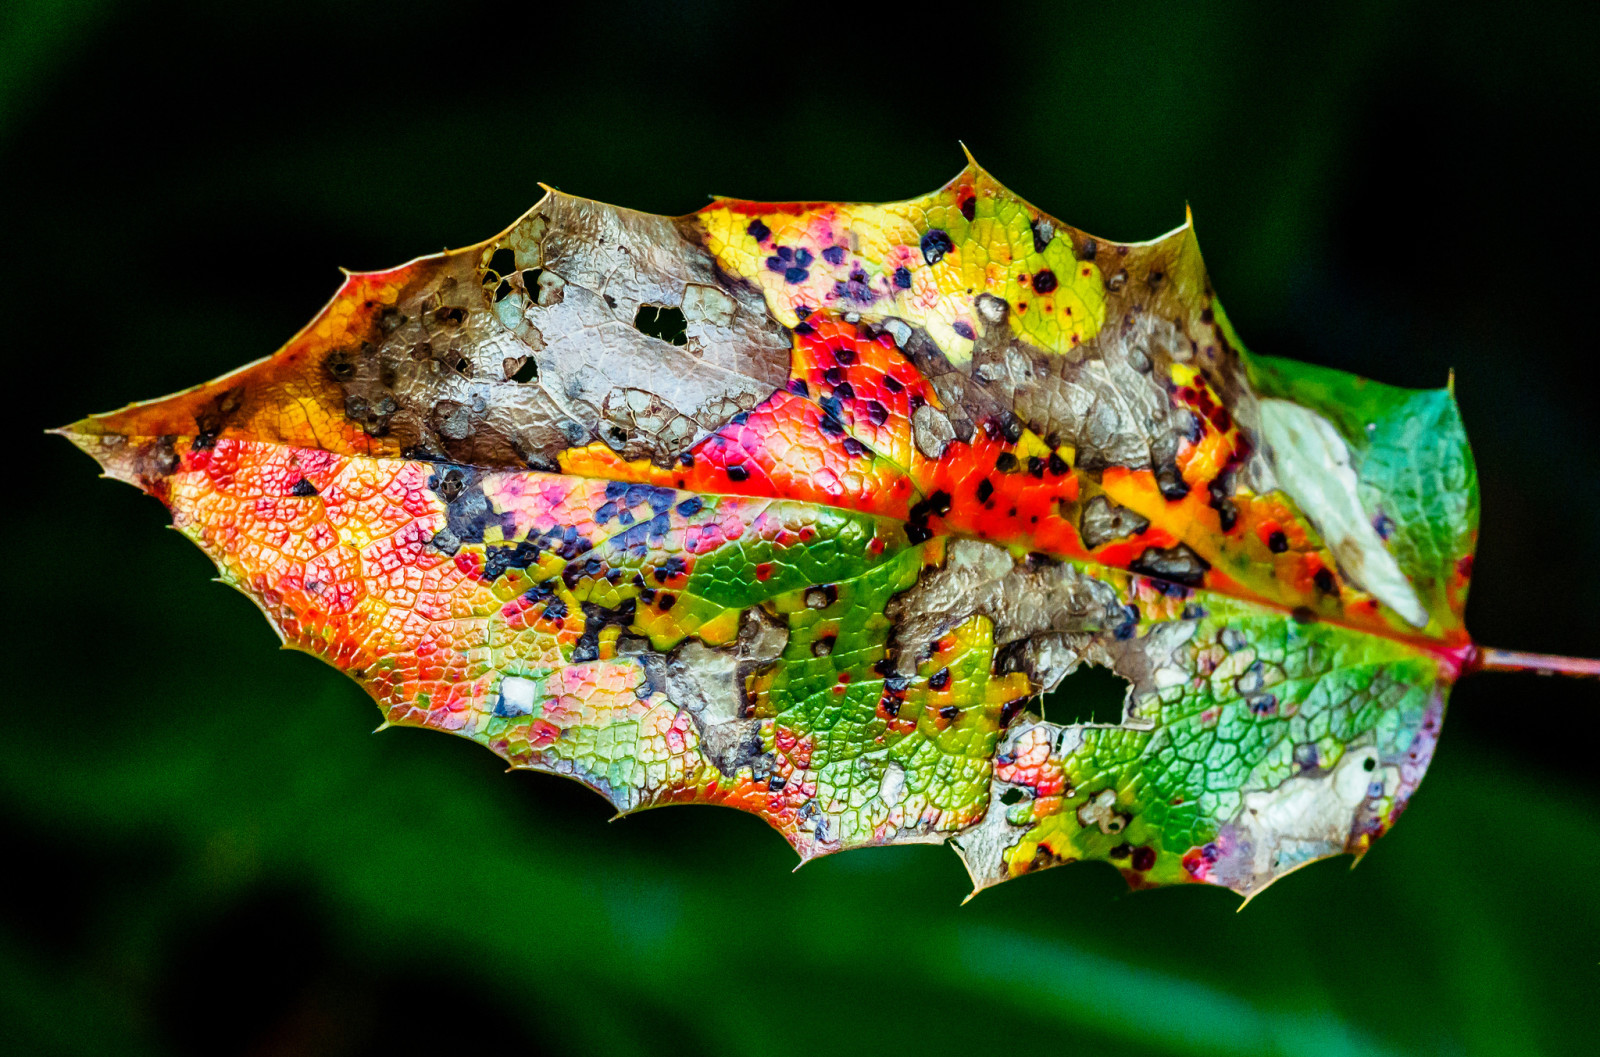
x,y
801,508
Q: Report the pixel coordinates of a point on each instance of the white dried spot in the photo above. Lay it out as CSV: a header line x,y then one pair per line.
x,y
552,289
517,696
1100,811
992,309
931,430
1169,677
708,304
1312,464
899,331
892,787
1307,817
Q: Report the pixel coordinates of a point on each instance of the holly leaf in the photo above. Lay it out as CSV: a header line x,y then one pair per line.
x,y
816,509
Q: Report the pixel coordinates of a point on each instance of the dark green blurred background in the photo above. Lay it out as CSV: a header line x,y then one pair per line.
x,y
205,852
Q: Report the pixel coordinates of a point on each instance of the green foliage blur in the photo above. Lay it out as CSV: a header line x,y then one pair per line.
x,y
206,852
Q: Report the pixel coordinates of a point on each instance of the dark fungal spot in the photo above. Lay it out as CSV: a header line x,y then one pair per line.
x,y
468,512
1129,626
1121,851
844,391
1177,563
984,490
1170,480
798,387
340,365
935,244
666,601
1035,467
902,278
1221,491
949,712
964,329
303,488
1303,614
1006,462
822,596
939,679
1087,251
555,609
596,619
834,255
892,385
758,231
854,447
1058,465
1044,281
1009,711
1143,858
1043,232
738,473
877,414
917,521
969,206
1323,578
857,287
691,506
1277,543
500,559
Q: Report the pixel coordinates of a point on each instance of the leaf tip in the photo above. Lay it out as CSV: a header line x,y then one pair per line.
x,y
111,450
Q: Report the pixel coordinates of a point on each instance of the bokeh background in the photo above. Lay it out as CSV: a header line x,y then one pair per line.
x,y
205,851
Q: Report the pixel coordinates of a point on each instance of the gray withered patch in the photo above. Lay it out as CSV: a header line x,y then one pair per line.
x,y
505,356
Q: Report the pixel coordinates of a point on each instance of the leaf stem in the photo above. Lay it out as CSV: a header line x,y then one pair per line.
x,y
1490,660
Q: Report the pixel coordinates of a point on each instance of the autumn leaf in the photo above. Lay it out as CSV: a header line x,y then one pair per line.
x,y
801,508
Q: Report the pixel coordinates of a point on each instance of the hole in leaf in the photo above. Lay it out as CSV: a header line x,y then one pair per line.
x,y
504,262
527,372
1011,796
1091,694
502,265
661,322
